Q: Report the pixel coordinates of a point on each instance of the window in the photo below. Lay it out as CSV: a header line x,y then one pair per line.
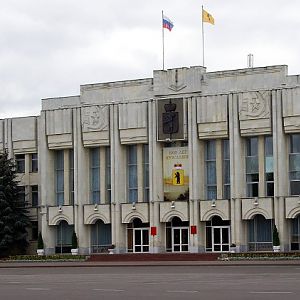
x,y
64,237
295,234
100,236
146,172
95,175
132,173
34,163
269,169
211,174
108,175
20,163
226,170
252,170
260,234
34,196
59,176
294,164
71,178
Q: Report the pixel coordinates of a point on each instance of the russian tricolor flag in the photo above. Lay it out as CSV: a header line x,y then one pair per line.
x,y
167,23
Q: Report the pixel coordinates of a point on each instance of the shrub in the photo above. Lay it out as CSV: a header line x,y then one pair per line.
x,y
40,241
74,240
276,241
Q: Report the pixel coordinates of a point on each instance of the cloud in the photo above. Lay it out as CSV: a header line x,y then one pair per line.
x,y
49,48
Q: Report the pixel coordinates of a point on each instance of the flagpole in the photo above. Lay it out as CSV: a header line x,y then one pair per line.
x,y
163,40
202,39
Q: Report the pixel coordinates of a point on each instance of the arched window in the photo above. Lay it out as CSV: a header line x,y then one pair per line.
x,y
260,234
64,233
295,234
100,237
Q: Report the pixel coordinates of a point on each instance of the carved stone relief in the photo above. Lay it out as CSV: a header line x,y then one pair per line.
x,y
94,118
255,105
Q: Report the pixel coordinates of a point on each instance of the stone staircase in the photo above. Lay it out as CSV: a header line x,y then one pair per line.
x,y
127,257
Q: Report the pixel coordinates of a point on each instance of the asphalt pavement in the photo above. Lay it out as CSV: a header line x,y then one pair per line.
x,y
205,281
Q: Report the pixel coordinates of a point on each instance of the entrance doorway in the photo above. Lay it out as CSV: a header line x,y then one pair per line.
x,y
220,238
138,236
217,235
177,236
180,238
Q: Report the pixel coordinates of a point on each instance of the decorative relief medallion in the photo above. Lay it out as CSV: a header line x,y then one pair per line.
x,y
255,105
95,118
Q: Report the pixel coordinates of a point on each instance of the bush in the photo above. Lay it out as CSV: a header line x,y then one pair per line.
x,y
74,240
40,241
276,241
55,257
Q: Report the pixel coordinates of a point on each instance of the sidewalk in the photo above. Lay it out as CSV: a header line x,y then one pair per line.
x,y
85,264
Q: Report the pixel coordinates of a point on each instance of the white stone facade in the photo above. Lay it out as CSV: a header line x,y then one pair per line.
x,y
100,163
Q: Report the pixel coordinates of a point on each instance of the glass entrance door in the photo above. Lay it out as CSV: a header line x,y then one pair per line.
x,y
220,238
180,239
141,240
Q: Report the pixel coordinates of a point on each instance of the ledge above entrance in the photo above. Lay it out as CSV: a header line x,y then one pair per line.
x,y
170,209
210,208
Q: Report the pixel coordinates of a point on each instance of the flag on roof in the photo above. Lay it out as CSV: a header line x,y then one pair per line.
x,y
167,23
207,17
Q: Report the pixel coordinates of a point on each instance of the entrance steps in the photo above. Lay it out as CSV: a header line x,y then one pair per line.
x,y
154,257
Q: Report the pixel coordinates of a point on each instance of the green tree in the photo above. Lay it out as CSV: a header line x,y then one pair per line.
x,y
14,219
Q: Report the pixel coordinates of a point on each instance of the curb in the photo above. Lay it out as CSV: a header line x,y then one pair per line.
x,y
7,265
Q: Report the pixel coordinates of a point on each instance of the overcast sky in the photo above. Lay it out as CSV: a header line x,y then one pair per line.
x,y
48,48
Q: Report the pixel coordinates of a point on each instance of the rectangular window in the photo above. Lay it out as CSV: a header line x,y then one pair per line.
x,y
34,163
71,178
59,176
132,182
294,164
211,173
107,175
269,169
146,172
20,163
95,175
226,169
34,196
252,170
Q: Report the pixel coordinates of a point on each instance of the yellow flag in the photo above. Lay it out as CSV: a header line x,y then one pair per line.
x,y
207,17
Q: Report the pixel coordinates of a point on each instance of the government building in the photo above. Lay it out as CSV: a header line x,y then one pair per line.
x,y
186,161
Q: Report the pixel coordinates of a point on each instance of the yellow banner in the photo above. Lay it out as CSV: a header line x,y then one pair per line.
x,y
176,173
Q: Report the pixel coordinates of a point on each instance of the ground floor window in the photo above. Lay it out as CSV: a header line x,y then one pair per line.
x,y
138,236
177,235
100,237
217,235
295,234
64,233
260,234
